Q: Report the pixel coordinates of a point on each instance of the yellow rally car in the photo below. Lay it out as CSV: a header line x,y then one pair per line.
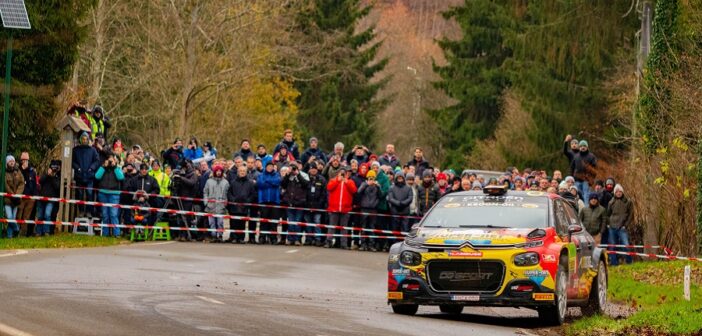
x,y
499,248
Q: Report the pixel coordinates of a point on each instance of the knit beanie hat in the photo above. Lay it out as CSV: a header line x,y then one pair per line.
x,y
618,187
371,174
9,159
476,184
441,176
593,196
563,185
427,173
583,143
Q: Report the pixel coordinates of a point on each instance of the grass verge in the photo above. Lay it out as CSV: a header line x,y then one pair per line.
x,y
656,290
63,240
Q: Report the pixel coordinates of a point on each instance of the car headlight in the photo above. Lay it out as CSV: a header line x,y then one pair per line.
x,y
526,259
409,258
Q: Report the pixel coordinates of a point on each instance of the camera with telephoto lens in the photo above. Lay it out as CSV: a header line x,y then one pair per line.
x,y
176,181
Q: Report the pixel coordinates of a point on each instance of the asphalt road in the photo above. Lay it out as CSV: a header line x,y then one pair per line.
x,y
220,289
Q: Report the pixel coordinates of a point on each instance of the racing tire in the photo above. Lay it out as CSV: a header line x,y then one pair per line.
x,y
598,292
555,315
405,309
451,309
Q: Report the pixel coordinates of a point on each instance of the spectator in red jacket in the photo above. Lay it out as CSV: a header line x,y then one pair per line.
x,y
341,190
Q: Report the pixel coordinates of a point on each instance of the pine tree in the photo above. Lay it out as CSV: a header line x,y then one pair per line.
x,y
474,76
43,59
337,97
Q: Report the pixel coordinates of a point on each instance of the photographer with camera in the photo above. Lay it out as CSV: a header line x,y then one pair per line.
x,y
49,186
184,184
295,186
341,191
359,153
174,156
142,186
109,177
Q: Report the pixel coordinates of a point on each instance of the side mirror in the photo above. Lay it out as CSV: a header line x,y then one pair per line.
x,y
574,229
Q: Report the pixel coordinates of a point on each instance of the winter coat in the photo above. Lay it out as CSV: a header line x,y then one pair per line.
x,y
620,212
283,160
110,179
420,166
193,154
427,197
384,183
329,172
295,190
292,148
186,186
50,186
31,186
14,184
147,183
163,181
594,219
413,210
570,155
316,152
243,154
358,180
241,190
86,162
360,159
583,166
215,192
174,158
268,185
208,157
201,182
264,159
341,195
389,160
317,192
370,195
400,197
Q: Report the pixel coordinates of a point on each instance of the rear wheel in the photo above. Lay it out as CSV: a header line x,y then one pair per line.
x,y
451,309
555,315
405,309
598,292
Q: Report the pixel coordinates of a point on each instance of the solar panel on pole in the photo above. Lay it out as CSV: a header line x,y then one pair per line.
x,y
14,14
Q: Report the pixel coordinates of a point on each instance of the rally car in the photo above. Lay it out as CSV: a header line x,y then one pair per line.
x,y
499,248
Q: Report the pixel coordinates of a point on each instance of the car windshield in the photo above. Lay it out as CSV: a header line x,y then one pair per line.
x,y
483,211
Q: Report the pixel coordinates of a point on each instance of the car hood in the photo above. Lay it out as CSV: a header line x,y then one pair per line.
x,y
476,237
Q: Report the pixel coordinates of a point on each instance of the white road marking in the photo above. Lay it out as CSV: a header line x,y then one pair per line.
x,y
291,251
154,244
206,299
7,330
249,261
14,253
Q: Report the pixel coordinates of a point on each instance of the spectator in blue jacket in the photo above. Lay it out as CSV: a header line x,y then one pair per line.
x,y
262,155
194,151
268,185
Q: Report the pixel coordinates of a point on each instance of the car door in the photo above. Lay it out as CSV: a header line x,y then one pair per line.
x,y
584,245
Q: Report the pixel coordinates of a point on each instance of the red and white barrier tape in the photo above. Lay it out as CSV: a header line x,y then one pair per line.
x,y
651,255
634,246
180,228
201,214
193,199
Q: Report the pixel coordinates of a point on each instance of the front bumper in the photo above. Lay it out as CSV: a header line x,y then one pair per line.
x,y
414,290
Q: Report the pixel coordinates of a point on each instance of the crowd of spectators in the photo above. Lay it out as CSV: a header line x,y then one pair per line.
x,y
343,187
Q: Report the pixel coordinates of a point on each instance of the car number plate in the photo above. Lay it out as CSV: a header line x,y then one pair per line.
x,y
465,297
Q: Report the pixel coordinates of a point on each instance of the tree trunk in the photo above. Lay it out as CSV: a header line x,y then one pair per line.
x,y
98,51
190,68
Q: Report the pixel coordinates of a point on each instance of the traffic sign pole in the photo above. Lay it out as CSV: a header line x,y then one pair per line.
x,y
5,121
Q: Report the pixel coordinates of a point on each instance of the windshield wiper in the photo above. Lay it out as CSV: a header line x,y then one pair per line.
x,y
483,226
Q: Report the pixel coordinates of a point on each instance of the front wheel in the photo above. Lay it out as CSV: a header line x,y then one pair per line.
x,y
405,309
555,315
598,292
451,309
